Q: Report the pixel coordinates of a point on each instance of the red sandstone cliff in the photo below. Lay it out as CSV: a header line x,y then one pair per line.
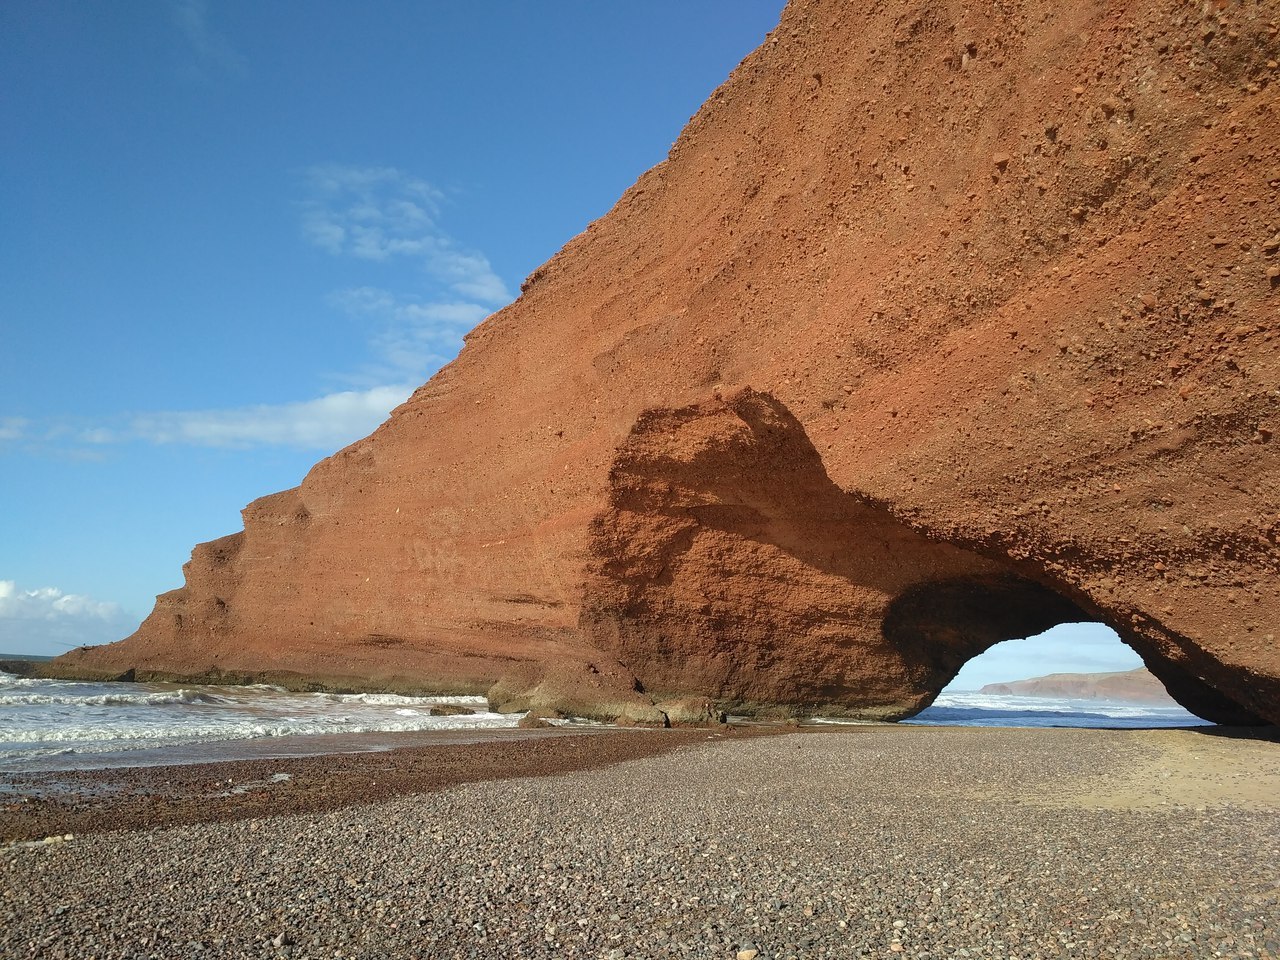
x,y
1001,280
1130,686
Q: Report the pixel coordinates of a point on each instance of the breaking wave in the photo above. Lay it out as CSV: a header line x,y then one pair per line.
x,y
993,710
42,718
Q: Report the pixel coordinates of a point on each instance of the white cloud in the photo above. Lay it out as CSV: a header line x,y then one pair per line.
x,y
373,213
412,339
211,50
326,423
13,428
379,213
1067,648
470,275
99,435
47,621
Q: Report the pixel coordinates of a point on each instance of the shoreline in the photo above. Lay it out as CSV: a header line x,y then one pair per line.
x,y
41,803
35,804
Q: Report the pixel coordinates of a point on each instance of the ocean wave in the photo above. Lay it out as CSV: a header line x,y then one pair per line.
x,y
115,737
89,718
113,699
398,700
13,680
1112,708
1000,710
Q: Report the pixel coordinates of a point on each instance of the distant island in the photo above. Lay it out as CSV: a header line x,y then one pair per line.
x,y
1134,686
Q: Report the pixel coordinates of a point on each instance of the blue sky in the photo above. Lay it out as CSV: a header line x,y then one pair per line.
x,y
1066,648
233,235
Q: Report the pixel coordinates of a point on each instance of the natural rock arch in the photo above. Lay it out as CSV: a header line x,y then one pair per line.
x,y
944,624
1054,366
729,565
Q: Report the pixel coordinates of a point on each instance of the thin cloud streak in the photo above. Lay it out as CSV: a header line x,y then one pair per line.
x,y
380,213
326,423
212,51
13,428
367,213
412,339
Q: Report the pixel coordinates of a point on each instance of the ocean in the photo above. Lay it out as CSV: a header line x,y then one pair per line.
x,y
971,709
58,725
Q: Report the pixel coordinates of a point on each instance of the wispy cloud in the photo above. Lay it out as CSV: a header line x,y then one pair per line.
x,y
374,214
322,424
326,423
13,428
211,52
470,275
48,620
409,338
378,213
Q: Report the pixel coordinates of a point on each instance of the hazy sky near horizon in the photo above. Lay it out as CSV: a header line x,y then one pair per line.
x,y
234,235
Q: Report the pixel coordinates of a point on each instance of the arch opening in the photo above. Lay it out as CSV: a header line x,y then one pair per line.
x,y
941,626
1073,674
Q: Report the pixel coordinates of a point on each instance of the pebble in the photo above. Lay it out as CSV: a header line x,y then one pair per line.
x,y
862,843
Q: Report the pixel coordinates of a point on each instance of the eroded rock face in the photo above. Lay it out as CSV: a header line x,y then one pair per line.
x,y
940,325
728,560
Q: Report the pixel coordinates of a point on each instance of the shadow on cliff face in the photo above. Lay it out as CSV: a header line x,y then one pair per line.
x,y
729,565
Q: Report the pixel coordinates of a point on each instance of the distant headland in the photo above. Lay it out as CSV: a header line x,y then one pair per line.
x,y
1133,686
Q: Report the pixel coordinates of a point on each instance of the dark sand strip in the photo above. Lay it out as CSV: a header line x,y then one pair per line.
x,y
37,805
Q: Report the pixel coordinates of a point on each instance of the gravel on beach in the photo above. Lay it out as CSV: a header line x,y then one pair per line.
x,y
863,842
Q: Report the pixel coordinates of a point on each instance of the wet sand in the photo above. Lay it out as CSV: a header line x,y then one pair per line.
x,y
42,804
876,841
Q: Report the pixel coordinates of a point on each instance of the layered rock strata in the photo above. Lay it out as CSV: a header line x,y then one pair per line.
x,y
940,324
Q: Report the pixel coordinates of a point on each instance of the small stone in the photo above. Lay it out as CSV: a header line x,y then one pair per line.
x,y
1001,160
749,953
282,939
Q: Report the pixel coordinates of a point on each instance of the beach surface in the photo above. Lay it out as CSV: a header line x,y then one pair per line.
x,y
875,841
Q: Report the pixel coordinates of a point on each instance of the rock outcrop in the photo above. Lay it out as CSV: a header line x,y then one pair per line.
x,y
940,325
1129,686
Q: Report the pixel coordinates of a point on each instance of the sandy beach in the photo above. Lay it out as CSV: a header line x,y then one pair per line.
x,y
875,841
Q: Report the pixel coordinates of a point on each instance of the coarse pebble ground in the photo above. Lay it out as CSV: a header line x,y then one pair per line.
x,y
863,842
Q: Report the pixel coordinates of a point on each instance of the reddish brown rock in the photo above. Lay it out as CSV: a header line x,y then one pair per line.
x,y
822,408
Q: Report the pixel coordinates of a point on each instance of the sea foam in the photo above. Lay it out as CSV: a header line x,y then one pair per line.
x,y
42,717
